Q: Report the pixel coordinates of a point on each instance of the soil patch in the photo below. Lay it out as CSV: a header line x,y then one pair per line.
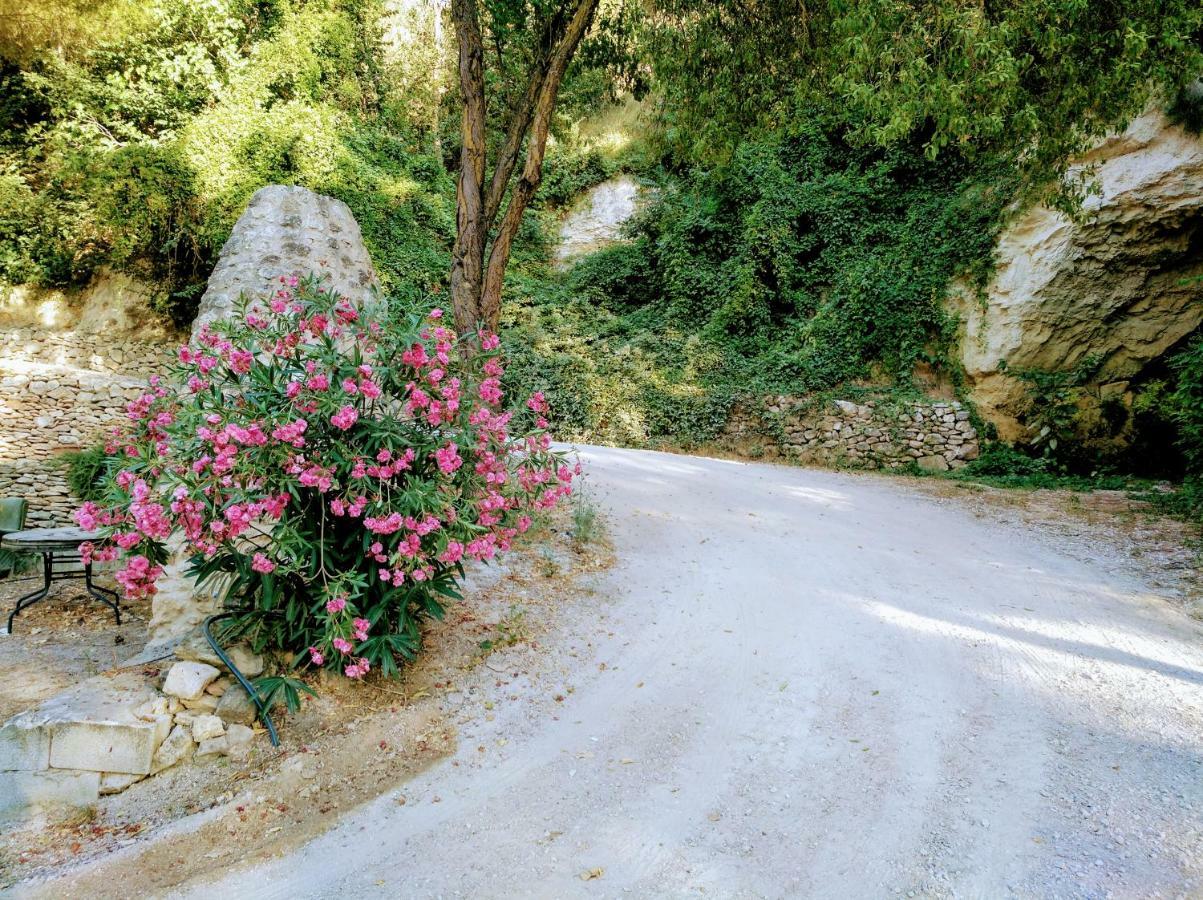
x,y
347,746
61,640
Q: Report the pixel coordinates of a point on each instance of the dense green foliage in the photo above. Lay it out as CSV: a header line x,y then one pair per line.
x,y
141,151
1030,77
1185,404
801,263
817,176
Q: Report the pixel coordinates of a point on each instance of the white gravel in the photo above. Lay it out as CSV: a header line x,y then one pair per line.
x,y
814,684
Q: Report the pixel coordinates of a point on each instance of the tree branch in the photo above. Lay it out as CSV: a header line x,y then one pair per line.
x,y
532,170
522,113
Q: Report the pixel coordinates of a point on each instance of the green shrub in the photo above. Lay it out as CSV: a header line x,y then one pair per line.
x,y
571,170
999,460
87,472
802,264
1053,408
1184,502
1004,466
621,276
1186,403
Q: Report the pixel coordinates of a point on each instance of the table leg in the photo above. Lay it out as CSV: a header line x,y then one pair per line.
x,y
34,596
99,593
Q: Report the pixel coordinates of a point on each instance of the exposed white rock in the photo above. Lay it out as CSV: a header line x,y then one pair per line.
x,y
188,680
283,231
206,727
179,605
1114,285
597,218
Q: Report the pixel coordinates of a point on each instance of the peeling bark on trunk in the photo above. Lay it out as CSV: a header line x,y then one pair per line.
x,y
467,255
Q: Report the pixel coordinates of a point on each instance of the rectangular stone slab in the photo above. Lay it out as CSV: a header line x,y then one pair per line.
x,y
21,792
126,747
24,747
92,726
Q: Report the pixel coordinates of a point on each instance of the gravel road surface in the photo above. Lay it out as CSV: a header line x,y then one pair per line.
x,y
811,684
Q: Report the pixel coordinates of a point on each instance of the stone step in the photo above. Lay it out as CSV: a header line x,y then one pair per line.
x,y
56,752
22,793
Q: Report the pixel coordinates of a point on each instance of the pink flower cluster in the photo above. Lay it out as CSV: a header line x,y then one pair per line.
x,y
379,462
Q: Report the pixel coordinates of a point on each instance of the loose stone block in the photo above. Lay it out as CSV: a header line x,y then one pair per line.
x,y
126,747
188,680
933,464
205,727
238,741
116,782
249,663
195,647
205,703
235,707
176,747
216,746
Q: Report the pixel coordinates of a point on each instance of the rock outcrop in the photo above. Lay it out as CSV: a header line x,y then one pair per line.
x,y
1117,284
286,231
595,221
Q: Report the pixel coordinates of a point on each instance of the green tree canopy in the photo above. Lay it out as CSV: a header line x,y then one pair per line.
x,y
1033,78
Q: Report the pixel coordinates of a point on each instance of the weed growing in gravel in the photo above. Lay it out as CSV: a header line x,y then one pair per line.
x,y
586,524
510,630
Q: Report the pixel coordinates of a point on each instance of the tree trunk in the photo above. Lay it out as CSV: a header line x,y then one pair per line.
x,y
475,286
467,255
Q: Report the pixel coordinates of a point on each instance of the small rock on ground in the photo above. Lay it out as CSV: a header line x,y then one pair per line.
x,y
188,680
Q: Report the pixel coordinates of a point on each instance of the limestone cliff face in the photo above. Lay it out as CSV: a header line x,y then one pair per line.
x,y
1117,284
288,231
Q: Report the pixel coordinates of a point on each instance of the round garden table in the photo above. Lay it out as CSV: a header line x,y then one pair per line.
x,y
57,545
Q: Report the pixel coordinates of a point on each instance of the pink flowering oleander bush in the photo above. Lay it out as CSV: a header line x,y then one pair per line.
x,y
336,468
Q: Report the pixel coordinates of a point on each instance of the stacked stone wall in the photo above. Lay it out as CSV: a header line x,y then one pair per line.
x,y
932,434
62,391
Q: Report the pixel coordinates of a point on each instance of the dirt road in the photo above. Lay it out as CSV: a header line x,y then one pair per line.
x,y
812,684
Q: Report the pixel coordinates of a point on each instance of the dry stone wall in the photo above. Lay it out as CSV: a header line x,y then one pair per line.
x,y
932,434
62,391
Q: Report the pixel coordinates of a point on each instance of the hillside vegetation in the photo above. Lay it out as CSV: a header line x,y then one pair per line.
x,y
815,181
